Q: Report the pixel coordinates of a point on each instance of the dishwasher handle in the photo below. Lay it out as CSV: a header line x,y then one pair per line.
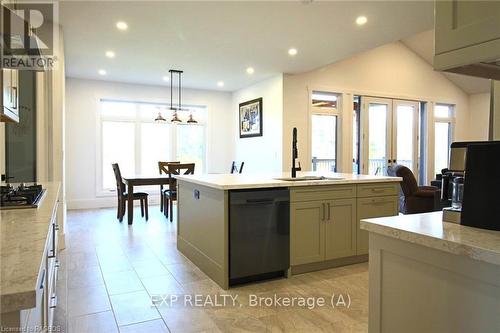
x,y
261,201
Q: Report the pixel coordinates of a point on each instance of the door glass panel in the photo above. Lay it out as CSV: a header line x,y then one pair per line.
x,y
405,138
324,142
442,145
377,139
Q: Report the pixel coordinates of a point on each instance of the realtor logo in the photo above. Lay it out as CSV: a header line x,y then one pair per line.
x,y
29,35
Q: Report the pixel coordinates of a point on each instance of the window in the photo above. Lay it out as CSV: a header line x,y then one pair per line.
x,y
324,120
131,137
443,130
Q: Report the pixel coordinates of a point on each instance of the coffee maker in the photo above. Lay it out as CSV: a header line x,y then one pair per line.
x,y
452,184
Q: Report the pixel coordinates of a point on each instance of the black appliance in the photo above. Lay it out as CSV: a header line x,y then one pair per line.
x,y
22,196
455,171
259,234
481,203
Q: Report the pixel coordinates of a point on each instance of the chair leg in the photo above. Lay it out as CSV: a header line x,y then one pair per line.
x,y
166,205
142,207
122,209
171,209
146,208
118,209
161,201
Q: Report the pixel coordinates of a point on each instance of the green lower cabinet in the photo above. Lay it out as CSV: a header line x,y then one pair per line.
x,y
322,230
340,229
371,208
307,232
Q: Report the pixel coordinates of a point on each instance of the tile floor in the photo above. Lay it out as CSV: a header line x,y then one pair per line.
x,y
113,270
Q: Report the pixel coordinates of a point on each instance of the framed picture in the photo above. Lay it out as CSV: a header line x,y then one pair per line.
x,y
251,118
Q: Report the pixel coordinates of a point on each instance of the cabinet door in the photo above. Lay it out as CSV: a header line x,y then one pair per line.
x,y
307,237
461,24
340,229
370,208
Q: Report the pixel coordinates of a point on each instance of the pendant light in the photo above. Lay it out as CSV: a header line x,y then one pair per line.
x,y
175,115
191,119
160,118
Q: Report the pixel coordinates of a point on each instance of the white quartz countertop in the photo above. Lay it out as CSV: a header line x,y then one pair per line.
x,y
250,181
23,237
429,230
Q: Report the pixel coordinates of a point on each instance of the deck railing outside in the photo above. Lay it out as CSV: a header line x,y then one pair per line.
x,y
375,166
323,164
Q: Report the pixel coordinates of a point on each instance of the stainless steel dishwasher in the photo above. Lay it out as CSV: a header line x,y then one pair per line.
x,y
259,234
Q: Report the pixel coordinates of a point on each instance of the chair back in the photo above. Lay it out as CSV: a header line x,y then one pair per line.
x,y
178,169
409,184
163,166
235,168
120,186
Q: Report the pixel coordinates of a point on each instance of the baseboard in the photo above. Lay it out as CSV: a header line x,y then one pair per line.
x,y
317,266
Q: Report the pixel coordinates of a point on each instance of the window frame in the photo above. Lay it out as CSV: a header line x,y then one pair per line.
x,y
322,111
450,120
100,191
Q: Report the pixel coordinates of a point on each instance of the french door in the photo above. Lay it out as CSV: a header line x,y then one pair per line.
x,y
389,134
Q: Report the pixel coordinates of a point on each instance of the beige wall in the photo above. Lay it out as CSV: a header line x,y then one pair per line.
x,y
263,153
479,113
391,70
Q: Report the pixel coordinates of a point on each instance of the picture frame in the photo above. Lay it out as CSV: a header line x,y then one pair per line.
x,y
250,118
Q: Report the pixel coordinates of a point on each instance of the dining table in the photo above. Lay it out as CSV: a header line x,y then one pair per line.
x,y
140,180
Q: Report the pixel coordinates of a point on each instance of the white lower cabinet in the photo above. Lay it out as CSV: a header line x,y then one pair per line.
x,y
41,317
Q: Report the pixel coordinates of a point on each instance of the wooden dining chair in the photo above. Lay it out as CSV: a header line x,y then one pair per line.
x,y
170,195
235,168
123,196
163,168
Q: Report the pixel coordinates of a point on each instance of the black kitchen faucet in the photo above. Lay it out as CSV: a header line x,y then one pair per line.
x,y
295,153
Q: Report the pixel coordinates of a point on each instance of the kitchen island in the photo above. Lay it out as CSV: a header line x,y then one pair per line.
x,y
29,264
323,217
427,275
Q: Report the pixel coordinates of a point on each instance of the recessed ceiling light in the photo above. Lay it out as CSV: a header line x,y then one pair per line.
x,y
220,84
102,72
110,54
121,25
292,52
250,70
166,78
361,20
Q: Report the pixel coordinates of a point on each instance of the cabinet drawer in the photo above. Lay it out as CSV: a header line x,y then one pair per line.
x,y
377,190
312,193
371,208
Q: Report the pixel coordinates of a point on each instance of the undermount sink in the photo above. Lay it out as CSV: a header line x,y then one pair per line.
x,y
308,178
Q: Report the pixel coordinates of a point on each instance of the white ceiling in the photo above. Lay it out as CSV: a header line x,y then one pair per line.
x,y
423,45
217,41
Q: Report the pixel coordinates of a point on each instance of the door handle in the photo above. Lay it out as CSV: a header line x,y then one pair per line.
x,y
329,212
323,204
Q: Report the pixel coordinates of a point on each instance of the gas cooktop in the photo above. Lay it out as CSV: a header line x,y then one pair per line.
x,y
21,196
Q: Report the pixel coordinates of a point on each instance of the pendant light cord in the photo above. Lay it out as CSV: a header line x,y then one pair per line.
x,y
180,85
171,89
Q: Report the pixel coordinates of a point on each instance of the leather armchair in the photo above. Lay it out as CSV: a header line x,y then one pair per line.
x,y
415,199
